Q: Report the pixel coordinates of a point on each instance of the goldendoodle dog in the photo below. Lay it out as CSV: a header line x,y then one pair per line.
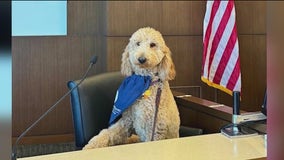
x,y
153,115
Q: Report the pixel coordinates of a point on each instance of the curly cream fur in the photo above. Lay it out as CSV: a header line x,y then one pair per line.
x,y
138,119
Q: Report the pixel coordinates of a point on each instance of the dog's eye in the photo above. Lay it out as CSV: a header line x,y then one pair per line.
x,y
152,45
138,43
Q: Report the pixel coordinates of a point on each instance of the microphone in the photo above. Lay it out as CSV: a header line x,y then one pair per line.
x,y
14,150
94,59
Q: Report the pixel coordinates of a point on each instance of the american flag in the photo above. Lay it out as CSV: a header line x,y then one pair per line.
x,y
221,62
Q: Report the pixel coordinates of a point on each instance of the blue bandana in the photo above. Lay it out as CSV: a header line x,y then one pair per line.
x,y
131,89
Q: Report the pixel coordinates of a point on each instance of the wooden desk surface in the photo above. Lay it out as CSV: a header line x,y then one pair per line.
x,y
211,146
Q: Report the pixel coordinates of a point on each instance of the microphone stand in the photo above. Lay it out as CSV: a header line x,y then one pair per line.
x,y
14,149
235,129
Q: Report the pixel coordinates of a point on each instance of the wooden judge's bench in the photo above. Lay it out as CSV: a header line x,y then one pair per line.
x,y
201,113
204,147
204,114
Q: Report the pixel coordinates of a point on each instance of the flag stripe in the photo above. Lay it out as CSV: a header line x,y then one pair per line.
x,y
221,62
213,10
219,34
230,66
207,16
216,20
225,58
238,84
222,47
234,76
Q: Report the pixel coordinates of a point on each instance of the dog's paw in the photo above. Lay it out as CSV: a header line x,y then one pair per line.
x,y
89,146
133,139
99,141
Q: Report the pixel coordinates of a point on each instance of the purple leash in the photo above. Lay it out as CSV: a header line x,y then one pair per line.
x,y
157,102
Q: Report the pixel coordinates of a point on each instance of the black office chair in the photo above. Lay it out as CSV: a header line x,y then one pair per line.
x,y
92,104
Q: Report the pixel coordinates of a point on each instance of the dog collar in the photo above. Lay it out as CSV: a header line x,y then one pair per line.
x,y
148,92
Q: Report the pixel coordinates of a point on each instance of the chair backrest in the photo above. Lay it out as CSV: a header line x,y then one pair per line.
x,y
92,103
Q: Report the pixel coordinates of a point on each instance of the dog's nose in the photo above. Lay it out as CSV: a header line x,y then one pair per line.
x,y
142,60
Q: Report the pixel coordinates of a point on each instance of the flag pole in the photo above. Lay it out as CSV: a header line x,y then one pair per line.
x,y
221,61
235,129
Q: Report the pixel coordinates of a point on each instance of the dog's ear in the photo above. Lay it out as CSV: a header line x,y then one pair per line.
x,y
167,68
126,68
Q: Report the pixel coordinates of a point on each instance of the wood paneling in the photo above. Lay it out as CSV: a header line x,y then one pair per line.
x,y
32,74
187,56
169,17
43,65
251,17
124,17
86,18
115,48
187,16
41,68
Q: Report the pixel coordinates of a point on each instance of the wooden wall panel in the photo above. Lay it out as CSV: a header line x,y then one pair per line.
x,y
86,18
42,65
187,56
255,74
251,17
126,17
33,72
41,68
187,16
115,48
